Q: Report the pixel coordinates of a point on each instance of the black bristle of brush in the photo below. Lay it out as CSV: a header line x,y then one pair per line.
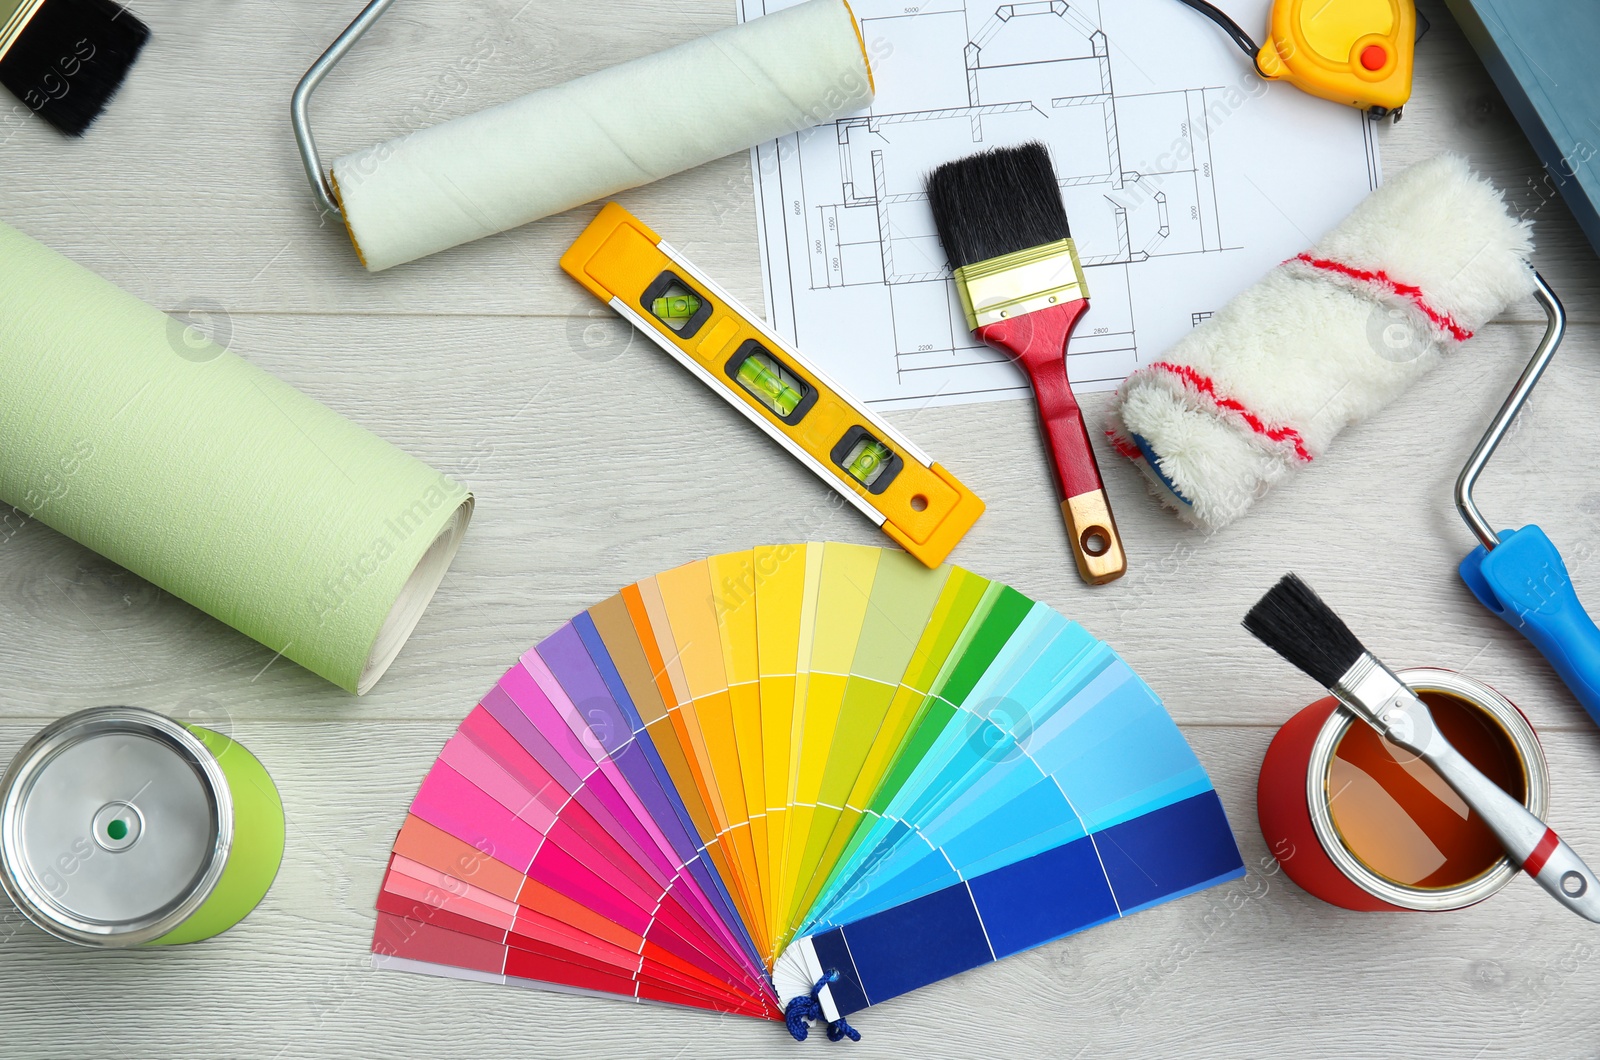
x,y
996,203
71,59
1294,622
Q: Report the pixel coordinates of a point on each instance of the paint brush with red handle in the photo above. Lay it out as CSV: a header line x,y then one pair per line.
x,y
1005,231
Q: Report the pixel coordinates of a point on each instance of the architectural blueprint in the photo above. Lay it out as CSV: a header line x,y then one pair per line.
x,y
1185,178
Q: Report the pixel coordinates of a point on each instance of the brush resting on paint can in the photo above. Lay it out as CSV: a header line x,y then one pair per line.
x,y
1294,622
65,59
1366,825
1004,228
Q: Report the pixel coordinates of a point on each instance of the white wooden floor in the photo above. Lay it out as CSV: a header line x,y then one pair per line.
x,y
588,466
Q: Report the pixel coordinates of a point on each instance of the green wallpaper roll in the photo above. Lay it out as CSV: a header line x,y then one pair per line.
x,y
210,478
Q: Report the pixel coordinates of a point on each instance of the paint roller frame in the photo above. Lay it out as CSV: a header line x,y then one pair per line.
x,y
300,103
1519,575
1555,328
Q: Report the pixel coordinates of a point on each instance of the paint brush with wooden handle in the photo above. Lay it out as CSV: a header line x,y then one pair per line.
x,y
1005,231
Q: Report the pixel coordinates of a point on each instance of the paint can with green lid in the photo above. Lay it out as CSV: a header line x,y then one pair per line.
x,y
121,827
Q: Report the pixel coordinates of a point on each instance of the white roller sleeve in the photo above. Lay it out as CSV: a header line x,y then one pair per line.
x,y
618,128
1324,340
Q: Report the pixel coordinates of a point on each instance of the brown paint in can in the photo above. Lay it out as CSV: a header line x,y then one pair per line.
x,y
1361,824
1400,818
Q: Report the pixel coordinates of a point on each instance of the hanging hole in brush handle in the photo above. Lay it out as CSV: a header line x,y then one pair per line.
x,y
1526,839
1096,546
300,102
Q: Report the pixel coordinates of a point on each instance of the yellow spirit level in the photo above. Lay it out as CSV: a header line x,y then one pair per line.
x,y
919,504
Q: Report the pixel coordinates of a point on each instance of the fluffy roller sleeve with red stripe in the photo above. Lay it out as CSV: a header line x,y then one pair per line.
x,y
1324,340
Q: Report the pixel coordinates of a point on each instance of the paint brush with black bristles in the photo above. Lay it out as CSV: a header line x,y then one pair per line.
x,y
65,59
1004,228
1294,622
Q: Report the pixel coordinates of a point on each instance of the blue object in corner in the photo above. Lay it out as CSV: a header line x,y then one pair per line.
x,y
1153,460
1525,582
1541,56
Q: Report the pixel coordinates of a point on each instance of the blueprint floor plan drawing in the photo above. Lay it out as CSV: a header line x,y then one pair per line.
x,y
1185,178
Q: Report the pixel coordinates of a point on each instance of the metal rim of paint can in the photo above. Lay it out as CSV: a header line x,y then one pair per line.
x,y
121,827
1389,894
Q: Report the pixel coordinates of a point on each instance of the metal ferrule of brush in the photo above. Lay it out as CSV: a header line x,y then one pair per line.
x,y
1373,691
14,16
1023,281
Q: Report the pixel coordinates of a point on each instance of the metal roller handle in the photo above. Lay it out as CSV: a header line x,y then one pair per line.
x,y
300,102
1555,327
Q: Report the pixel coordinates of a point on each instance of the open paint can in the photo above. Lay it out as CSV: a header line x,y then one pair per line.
x,y
122,827
1364,824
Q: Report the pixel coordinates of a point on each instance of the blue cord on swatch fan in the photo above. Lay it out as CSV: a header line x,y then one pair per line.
x,y
801,1010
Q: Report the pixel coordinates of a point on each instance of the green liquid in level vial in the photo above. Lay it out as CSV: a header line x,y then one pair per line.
x,y
867,461
675,309
769,383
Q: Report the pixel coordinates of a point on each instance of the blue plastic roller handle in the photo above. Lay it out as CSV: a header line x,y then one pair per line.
x,y
1524,581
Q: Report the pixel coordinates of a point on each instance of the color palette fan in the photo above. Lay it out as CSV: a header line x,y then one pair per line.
x,y
797,780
